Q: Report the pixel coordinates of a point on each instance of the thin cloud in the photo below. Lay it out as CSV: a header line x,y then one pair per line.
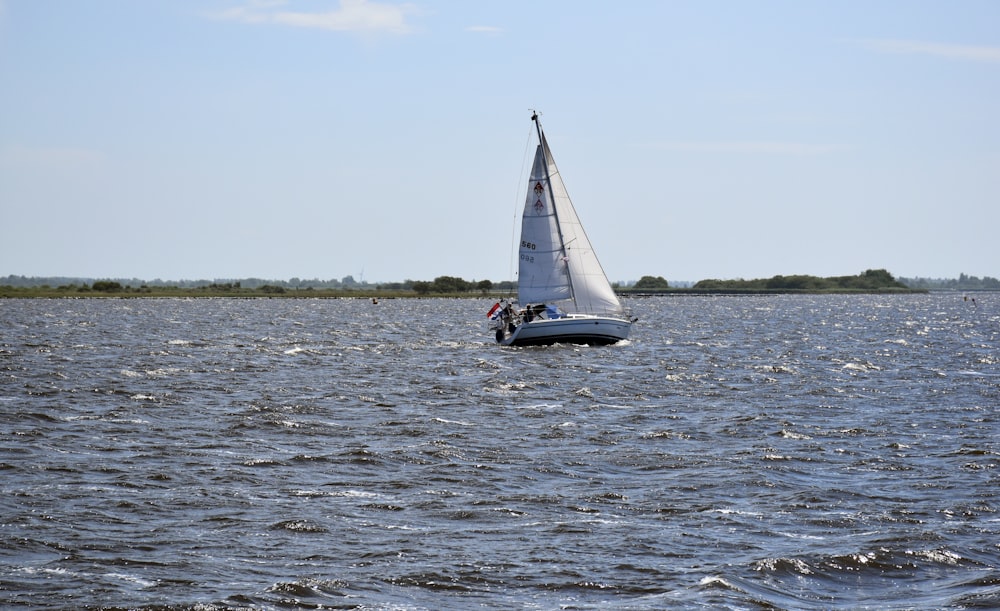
x,y
750,147
351,16
948,51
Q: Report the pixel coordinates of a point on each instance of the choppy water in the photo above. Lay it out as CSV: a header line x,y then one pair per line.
x,y
792,452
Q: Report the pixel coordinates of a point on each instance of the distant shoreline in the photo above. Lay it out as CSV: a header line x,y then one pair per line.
x,y
872,281
379,294
737,291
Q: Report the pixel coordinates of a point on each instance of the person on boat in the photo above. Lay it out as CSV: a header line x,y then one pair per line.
x,y
508,318
504,315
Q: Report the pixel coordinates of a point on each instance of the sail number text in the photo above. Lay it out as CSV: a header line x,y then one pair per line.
x,y
526,245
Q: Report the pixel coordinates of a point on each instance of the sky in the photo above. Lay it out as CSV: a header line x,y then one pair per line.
x,y
278,139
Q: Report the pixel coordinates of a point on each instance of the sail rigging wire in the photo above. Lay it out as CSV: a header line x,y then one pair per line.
x,y
519,203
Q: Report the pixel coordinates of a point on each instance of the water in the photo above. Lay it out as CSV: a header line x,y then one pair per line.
x,y
791,452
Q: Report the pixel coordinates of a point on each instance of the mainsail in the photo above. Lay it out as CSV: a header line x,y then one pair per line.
x,y
556,261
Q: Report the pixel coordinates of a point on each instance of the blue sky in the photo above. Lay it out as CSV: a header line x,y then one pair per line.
x,y
183,139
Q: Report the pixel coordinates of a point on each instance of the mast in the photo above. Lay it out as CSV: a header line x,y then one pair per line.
x,y
552,198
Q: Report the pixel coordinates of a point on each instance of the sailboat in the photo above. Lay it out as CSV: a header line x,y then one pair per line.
x,y
563,293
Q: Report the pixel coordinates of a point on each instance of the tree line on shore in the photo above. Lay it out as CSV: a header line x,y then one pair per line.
x,y
442,285
962,283
869,280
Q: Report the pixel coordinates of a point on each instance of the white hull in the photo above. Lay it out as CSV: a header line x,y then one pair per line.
x,y
574,329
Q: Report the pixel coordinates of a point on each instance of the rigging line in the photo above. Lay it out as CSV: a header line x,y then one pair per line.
x,y
520,190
